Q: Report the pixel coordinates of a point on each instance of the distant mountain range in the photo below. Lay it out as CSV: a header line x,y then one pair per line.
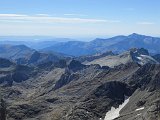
x,y
115,44
22,54
72,47
35,42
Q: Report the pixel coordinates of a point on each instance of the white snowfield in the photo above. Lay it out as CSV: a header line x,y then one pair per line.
x,y
115,112
139,109
146,59
139,114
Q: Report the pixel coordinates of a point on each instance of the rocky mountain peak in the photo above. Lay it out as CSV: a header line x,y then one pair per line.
x,y
139,51
75,65
141,56
135,35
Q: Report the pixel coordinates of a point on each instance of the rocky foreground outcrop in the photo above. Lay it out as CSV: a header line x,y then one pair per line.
x,y
73,91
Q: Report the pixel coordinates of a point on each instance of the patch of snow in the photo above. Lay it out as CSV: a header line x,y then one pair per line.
x,y
138,114
135,51
115,112
143,59
139,109
144,55
140,58
148,57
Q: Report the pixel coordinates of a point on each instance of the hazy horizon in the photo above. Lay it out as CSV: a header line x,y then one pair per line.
x,y
40,38
80,18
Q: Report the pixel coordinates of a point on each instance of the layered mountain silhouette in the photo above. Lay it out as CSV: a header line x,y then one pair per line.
x,y
35,42
116,44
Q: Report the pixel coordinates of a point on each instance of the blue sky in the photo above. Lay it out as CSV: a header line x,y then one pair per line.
x,y
79,18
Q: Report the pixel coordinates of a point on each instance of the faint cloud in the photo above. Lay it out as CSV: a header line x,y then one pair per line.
x,y
12,15
43,15
113,21
71,14
45,18
145,23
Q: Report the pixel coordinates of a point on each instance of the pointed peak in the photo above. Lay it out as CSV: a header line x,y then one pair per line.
x,y
75,65
135,34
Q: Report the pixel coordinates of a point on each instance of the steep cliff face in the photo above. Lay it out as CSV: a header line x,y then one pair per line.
x,y
95,105
144,103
